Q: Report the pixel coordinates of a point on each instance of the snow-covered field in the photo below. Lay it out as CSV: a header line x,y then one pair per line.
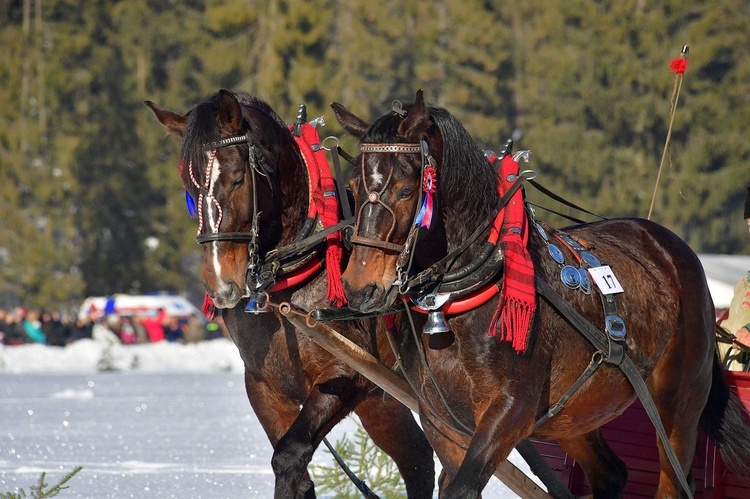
x,y
162,420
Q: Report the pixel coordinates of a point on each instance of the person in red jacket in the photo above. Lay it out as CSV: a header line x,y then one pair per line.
x,y
153,325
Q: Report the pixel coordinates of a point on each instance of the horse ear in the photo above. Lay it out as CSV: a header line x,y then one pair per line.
x,y
172,121
417,121
352,124
230,113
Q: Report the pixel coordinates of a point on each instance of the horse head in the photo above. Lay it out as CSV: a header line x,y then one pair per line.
x,y
233,150
399,151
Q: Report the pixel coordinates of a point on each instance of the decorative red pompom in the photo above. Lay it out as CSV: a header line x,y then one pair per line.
x,y
678,65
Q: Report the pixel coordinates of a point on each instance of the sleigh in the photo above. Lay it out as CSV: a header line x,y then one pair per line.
x,y
632,437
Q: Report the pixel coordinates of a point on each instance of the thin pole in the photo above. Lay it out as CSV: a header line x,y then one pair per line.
x,y
679,71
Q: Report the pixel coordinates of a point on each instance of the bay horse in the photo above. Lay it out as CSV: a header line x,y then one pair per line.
x,y
248,185
502,392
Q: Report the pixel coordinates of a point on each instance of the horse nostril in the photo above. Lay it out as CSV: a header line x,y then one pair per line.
x,y
361,298
234,292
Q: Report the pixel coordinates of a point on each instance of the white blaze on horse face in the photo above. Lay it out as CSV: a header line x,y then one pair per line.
x,y
375,176
214,220
376,181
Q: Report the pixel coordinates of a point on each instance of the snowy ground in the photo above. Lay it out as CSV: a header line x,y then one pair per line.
x,y
162,420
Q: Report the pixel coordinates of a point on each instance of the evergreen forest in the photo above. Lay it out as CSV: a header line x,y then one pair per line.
x,y
91,201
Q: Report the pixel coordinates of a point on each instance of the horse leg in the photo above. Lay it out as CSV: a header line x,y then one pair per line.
x,y
276,420
392,427
327,404
502,424
445,441
606,473
680,402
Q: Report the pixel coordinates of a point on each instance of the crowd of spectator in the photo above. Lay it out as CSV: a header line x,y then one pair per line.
x,y
19,326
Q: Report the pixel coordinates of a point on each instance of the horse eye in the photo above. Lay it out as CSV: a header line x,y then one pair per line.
x,y
238,181
405,193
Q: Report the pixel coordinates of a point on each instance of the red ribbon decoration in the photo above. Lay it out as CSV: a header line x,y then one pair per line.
x,y
429,187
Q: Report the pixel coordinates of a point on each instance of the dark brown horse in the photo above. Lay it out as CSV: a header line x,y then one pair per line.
x,y
242,165
485,385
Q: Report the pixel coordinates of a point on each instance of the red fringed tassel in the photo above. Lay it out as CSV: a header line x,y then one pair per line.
x,y
325,204
514,315
513,319
336,293
208,308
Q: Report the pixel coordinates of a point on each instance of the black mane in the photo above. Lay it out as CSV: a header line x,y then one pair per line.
x,y
467,183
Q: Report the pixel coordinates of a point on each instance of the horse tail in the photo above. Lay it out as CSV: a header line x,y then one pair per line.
x,y
726,421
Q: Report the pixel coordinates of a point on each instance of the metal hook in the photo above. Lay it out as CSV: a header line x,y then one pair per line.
x,y
330,137
317,121
398,108
522,155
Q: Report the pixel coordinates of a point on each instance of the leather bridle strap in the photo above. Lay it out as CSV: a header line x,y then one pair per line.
x,y
373,196
601,343
562,200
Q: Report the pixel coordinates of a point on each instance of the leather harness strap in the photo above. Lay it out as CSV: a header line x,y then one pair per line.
x,y
602,343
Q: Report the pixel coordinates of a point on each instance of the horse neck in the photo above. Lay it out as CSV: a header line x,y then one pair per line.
x,y
293,187
462,219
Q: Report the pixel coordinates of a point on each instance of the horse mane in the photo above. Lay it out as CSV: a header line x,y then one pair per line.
x,y
464,170
200,129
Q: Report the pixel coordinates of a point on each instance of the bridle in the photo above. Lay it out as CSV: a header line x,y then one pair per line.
x,y
258,167
453,284
374,196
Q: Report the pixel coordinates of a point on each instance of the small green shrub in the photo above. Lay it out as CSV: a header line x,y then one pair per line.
x,y
370,464
40,490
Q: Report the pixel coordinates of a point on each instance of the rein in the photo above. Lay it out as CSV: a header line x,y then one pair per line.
x,y
626,365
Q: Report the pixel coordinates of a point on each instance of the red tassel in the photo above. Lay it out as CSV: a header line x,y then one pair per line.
x,y
208,308
324,204
336,293
514,314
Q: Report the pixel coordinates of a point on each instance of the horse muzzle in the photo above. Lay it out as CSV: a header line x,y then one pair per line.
x,y
227,295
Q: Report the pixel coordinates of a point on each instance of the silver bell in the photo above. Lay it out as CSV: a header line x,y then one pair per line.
x,y
435,323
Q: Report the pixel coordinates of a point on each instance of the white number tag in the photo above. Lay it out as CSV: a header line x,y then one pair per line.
x,y
605,279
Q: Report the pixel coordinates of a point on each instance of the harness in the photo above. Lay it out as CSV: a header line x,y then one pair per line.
x,y
296,262
431,291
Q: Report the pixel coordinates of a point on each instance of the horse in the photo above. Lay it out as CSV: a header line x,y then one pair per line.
x,y
247,182
416,159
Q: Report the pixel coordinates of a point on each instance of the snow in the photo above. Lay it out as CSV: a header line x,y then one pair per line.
x,y
160,420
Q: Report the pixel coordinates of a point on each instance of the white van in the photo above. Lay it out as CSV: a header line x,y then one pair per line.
x,y
144,305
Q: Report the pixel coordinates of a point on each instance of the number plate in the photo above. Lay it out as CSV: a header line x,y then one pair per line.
x,y
605,280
